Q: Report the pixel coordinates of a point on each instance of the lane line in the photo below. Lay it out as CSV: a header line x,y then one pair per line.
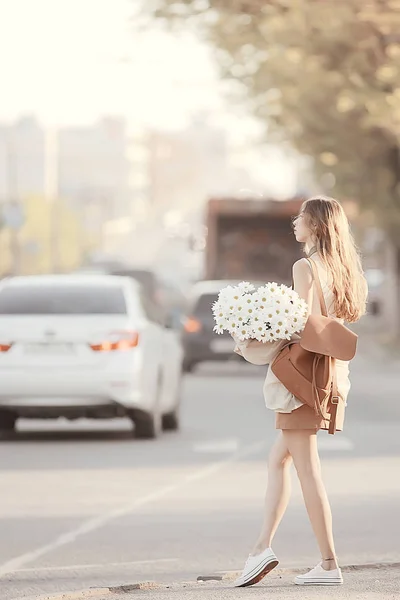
x,y
134,563
227,445
335,443
95,523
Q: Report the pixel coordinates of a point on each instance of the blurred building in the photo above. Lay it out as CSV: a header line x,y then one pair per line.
x,y
93,165
91,162
22,159
187,166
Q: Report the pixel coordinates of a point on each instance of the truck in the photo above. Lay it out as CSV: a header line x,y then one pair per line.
x,y
251,239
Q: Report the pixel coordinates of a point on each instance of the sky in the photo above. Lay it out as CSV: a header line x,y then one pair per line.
x,y
71,61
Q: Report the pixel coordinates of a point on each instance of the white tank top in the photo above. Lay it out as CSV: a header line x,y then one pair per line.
x,y
326,284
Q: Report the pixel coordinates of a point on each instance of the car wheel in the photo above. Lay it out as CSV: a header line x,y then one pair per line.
x,y
170,421
147,426
8,421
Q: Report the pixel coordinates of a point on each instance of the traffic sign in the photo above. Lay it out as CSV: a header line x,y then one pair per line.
x,y
13,215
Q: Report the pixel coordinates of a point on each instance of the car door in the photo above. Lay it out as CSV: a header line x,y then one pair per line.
x,y
153,346
172,365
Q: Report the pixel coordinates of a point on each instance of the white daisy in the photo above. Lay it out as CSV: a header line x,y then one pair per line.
x,y
259,331
219,310
219,328
246,287
230,294
244,332
270,336
271,288
233,327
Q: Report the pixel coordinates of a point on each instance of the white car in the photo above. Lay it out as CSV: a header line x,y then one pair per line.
x,y
78,346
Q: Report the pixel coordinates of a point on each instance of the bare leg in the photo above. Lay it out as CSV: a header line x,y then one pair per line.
x,y
277,495
302,445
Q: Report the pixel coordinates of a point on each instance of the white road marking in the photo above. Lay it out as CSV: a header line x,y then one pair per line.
x,y
135,563
215,446
334,443
95,523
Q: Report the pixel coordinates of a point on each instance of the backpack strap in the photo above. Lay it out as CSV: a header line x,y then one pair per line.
x,y
334,396
317,282
334,399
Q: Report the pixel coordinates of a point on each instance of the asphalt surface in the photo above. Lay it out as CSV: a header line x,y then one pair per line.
x,y
382,584
86,505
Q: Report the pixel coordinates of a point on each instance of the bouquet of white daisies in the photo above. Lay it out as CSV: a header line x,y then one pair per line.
x,y
272,312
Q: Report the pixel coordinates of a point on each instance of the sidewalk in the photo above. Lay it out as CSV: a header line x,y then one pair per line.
x,y
368,582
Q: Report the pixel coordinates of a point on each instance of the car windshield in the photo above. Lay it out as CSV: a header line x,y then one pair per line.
x,y
62,300
204,303
146,278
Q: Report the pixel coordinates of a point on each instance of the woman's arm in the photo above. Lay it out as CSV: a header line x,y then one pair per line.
x,y
303,281
260,353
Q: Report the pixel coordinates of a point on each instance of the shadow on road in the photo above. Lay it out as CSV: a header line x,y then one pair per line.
x,y
81,435
118,430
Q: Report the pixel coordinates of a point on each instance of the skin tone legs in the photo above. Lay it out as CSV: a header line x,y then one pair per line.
x,y
278,493
301,447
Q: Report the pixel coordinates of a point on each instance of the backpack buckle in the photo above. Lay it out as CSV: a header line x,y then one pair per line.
x,y
335,399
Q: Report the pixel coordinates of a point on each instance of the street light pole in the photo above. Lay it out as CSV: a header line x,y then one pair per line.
x,y
12,212
51,192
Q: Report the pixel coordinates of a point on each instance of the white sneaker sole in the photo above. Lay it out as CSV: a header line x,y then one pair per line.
x,y
258,573
316,581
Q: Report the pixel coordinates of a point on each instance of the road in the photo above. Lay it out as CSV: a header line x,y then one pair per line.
x,y
86,505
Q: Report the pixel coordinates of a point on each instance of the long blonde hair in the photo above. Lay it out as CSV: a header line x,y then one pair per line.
x,y
337,249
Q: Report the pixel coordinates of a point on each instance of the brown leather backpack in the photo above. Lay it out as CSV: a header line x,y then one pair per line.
x,y
306,367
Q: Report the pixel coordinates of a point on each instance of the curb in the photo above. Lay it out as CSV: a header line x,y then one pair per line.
x,y
231,575
224,576
102,592
78,595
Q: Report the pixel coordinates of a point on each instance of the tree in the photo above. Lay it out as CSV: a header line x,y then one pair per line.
x,y
33,240
323,75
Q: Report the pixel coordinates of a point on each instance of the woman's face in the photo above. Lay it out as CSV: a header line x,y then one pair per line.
x,y
302,231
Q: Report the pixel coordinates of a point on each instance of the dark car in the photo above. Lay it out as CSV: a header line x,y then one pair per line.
x,y
145,276
200,342
163,295
376,282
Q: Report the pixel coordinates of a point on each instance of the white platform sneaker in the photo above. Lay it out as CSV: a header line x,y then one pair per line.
x,y
319,576
256,568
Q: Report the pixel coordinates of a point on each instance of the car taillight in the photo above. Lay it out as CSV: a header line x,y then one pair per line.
x,y
120,340
5,347
192,325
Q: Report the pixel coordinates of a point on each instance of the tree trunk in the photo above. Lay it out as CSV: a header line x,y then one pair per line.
x,y
391,293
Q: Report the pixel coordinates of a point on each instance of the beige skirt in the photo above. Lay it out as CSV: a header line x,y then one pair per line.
x,y
305,416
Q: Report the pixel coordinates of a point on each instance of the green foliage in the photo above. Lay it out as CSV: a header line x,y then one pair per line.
x,y
323,74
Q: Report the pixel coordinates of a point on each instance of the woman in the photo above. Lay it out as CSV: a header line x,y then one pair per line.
x,y
323,228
